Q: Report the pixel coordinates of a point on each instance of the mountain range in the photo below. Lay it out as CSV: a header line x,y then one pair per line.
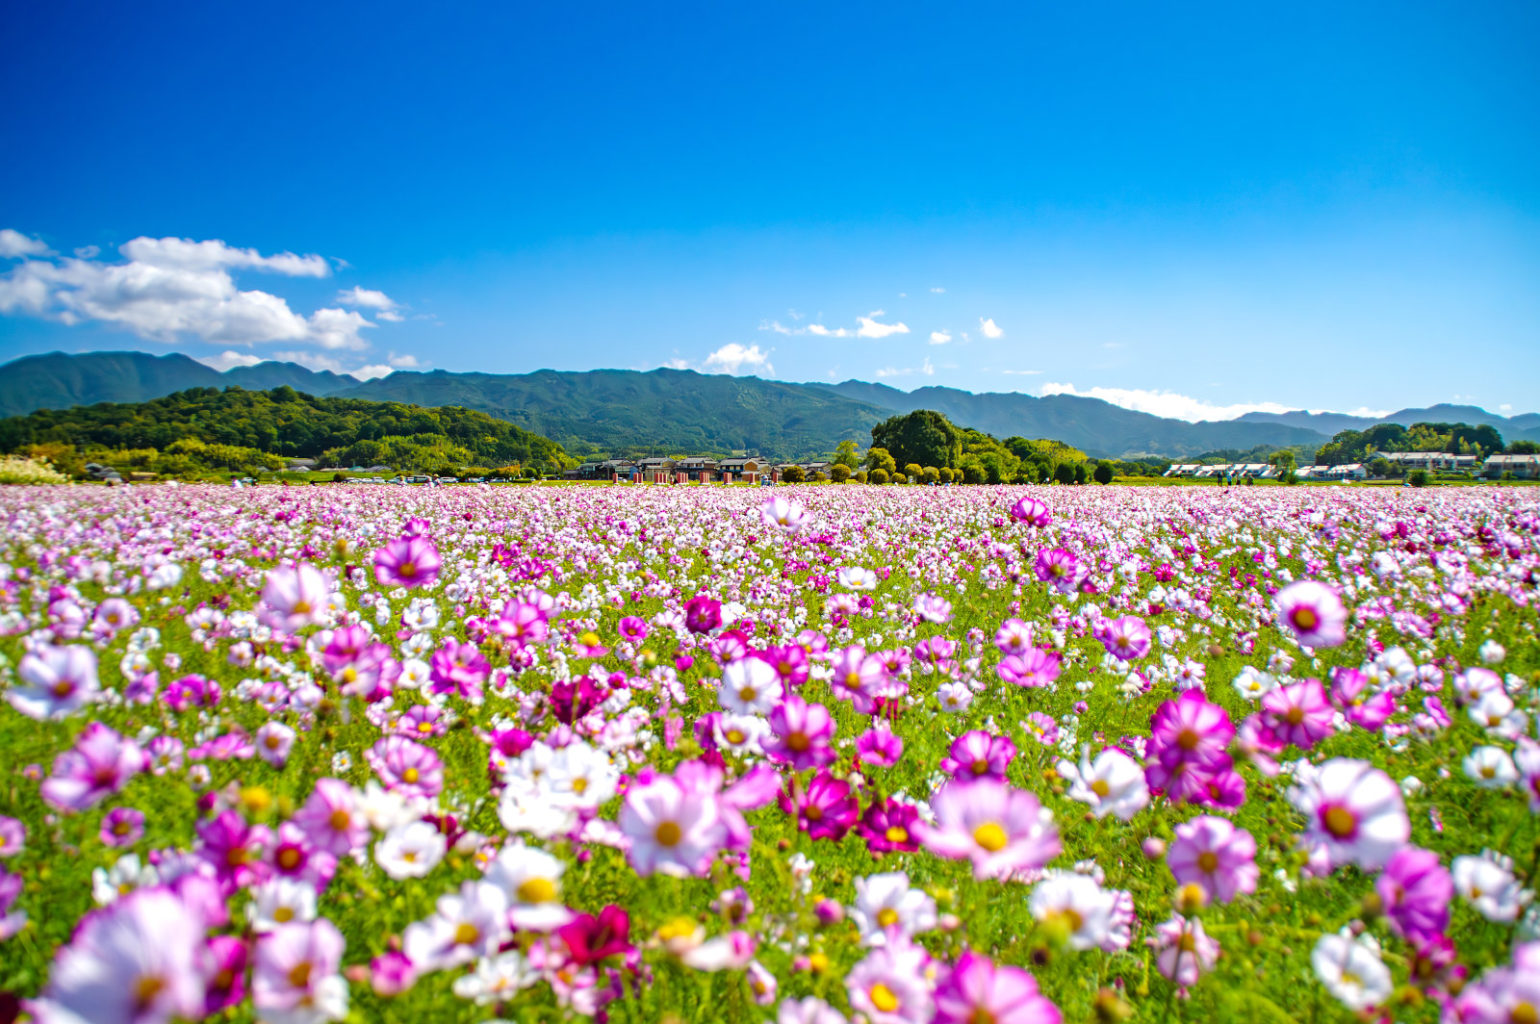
x,y
685,411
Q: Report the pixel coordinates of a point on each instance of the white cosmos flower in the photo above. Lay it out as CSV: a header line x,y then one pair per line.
x,y
1111,784
531,879
1488,883
887,907
1351,970
741,733
530,807
279,901
1077,904
855,577
415,674
1490,768
496,979
125,875
750,686
410,850
581,777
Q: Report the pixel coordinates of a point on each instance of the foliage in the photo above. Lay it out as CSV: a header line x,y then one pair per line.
x,y
15,469
1349,446
246,430
1104,472
793,475
839,472
923,437
877,476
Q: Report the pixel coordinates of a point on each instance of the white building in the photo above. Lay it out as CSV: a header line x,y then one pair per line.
x,y
1523,467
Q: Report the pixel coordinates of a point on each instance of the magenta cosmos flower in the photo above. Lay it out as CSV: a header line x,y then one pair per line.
x,y
1416,892
1031,511
800,734
1126,638
824,806
1314,612
1354,814
1001,830
1298,713
1058,568
978,754
407,562
978,990
702,614
1216,856
407,767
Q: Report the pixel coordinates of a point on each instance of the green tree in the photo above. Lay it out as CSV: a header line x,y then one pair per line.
x,y
913,471
877,476
1104,472
879,458
845,455
972,470
932,475
839,472
793,475
1064,473
1081,473
1524,448
924,437
1284,460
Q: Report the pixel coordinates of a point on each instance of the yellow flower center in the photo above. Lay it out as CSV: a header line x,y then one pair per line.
x,y
887,917
1100,787
537,890
897,834
668,833
1208,861
991,836
1339,821
883,998
466,934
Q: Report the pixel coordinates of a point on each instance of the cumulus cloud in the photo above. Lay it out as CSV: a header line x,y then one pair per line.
x,y
733,357
869,326
367,297
404,362
938,291
170,289
14,244
373,370
990,329
229,360
1164,403
311,361
939,337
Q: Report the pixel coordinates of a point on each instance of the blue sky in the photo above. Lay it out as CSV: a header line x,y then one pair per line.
x,y
1190,208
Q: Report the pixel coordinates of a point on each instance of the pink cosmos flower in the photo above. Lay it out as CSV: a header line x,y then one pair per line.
x,y
1213,854
407,766
1363,707
1184,950
122,826
791,663
273,743
1298,713
1003,831
858,677
13,836
800,735
1031,511
1189,729
55,681
296,966
291,854
672,829
522,624
978,754
633,629
1416,892
1033,668
933,608
888,826
880,746
1126,638
1014,637
233,848
1354,814
407,562
783,514
888,987
98,765
294,597
458,668
137,961
330,818
1059,569
1314,612
978,990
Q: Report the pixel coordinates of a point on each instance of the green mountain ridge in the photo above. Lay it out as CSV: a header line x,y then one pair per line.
x,y
681,411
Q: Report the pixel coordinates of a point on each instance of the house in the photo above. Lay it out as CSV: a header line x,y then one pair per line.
x,y
809,468
1433,462
655,470
697,468
618,470
1348,471
1183,469
1523,467
748,468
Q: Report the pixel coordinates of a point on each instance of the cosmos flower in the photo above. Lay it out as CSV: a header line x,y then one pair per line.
x,y
294,597
671,829
800,734
56,682
295,973
1001,830
1212,853
1184,951
99,764
1416,891
1112,784
1032,511
1351,970
1354,814
1298,713
976,989
783,514
408,562
1314,612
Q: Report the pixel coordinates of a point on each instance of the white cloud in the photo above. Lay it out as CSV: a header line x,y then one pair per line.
x,y
14,244
824,332
1505,408
310,361
229,359
373,370
870,328
1164,403
924,368
389,316
677,363
733,357
939,337
403,362
1021,373
990,329
167,289
366,297
938,291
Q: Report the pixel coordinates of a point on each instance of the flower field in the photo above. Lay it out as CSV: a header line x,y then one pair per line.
x,y
963,755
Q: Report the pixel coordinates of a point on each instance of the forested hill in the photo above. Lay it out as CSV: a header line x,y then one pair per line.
x,y
282,421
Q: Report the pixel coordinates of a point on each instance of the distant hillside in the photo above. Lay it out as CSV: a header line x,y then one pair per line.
x,y
1525,427
283,422
680,411
59,380
677,411
1090,424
